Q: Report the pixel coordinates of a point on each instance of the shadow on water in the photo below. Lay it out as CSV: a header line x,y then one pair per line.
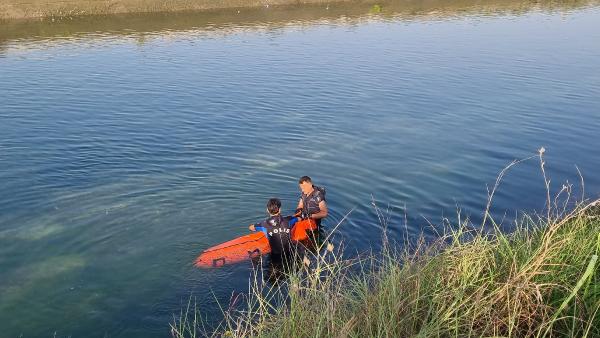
x,y
266,18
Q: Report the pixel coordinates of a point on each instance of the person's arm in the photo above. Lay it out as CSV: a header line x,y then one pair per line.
x,y
323,211
258,227
299,208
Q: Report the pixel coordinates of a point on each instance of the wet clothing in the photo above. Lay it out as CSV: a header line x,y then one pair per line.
x,y
311,202
278,231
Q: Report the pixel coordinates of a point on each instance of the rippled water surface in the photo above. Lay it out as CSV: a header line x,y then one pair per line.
x,y
129,144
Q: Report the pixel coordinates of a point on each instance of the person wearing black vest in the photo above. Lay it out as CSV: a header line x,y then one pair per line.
x,y
312,202
277,228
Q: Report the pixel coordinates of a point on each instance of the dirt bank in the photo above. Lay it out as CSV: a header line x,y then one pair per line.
x,y
28,9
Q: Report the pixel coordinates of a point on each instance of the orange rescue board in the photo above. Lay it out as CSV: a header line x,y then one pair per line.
x,y
236,250
247,247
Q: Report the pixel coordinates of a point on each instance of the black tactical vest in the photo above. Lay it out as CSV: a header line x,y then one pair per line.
x,y
311,202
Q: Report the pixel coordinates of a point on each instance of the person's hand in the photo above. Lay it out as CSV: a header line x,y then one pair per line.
x,y
252,228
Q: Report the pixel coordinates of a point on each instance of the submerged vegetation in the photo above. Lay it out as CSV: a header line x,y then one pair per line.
x,y
541,280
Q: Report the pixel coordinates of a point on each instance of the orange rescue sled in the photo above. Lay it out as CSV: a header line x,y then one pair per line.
x,y
247,247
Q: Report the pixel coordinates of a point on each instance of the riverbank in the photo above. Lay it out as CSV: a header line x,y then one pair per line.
x,y
59,10
28,9
542,280
143,26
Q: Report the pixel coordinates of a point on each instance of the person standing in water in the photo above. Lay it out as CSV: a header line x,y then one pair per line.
x,y
276,228
312,202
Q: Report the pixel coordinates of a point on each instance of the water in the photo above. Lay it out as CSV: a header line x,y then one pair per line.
x,y
128,144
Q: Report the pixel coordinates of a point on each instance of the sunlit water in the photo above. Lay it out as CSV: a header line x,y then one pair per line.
x,y
124,152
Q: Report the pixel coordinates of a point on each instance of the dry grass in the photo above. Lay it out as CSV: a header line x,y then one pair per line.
x,y
542,280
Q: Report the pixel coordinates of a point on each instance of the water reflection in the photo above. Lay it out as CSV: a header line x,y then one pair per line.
x,y
222,22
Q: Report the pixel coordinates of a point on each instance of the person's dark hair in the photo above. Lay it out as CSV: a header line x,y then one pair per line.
x,y
304,179
273,206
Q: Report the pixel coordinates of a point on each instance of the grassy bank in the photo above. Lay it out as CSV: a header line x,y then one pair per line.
x,y
27,9
541,280
61,20
238,10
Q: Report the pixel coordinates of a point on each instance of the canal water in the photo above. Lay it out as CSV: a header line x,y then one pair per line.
x,y
128,144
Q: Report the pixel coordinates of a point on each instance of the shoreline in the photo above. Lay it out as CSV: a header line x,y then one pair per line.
x,y
144,25
40,9
534,281
64,10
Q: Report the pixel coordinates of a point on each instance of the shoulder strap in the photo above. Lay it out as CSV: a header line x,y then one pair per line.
x,y
321,190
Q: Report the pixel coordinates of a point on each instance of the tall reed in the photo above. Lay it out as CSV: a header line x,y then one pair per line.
x,y
541,280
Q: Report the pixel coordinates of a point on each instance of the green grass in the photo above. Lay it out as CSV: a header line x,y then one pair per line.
x,y
541,280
